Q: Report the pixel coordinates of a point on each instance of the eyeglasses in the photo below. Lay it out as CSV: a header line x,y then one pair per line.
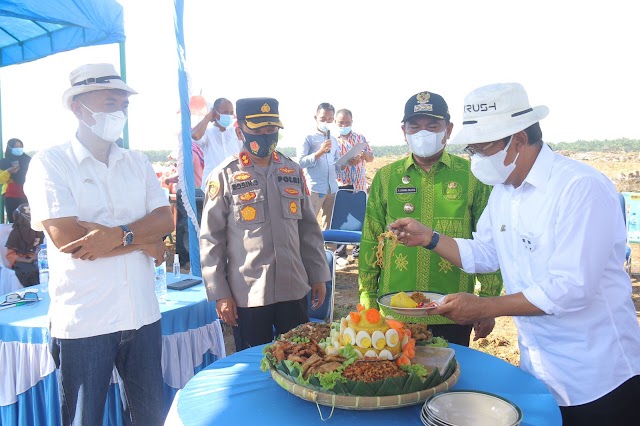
x,y
471,151
17,299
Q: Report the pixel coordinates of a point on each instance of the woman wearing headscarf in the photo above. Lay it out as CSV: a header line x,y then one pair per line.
x,y
13,169
22,246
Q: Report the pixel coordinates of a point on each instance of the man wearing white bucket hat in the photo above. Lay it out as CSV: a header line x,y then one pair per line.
x,y
554,227
105,213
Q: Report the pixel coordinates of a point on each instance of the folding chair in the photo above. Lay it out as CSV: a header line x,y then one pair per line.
x,y
627,257
347,218
324,312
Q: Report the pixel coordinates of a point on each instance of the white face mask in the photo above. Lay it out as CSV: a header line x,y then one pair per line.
x,y
109,125
322,126
491,170
425,143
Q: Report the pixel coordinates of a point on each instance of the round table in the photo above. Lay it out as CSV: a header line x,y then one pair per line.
x,y
191,339
235,390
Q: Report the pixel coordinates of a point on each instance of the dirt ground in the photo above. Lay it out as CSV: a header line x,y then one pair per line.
x,y
622,168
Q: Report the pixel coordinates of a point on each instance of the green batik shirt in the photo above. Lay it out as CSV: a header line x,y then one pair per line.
x,y
448,199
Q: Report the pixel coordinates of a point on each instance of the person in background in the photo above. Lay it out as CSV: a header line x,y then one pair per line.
x,y
555,229
105,216
353,176
182,232
261,247
22,247
317,156
434,188
13,169
218,141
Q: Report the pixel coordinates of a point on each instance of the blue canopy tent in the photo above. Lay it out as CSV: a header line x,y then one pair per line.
x,y
33,29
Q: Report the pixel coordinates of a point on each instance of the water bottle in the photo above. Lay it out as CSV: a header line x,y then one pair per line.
x,y
161,282
176,266
43,266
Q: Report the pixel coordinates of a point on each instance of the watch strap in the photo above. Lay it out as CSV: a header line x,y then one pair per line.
x,y
127,238
435,237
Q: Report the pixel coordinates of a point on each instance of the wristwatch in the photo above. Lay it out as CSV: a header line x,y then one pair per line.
x,y
435,237
127,239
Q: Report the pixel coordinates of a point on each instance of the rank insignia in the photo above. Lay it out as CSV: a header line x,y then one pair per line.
x,y
293,207
265,108
247,196
254,147
248,213
242,176
275,155
286,170
212,189
291,191
244,159
423,97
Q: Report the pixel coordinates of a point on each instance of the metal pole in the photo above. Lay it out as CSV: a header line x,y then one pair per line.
x,y
1,155
123,74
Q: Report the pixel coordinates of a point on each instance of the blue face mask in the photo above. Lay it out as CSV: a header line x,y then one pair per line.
x,y
17,151
344,130
225,120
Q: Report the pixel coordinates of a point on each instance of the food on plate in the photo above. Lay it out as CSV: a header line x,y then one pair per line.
x,y
315,331
368,370
420,298
402,300
420,332
380,248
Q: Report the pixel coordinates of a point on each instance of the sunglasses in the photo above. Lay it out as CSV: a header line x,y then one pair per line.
x,y
16,299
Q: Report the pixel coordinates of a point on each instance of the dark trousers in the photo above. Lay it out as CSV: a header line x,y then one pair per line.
x,y
453,333
11,204
255,325
182,225
618,407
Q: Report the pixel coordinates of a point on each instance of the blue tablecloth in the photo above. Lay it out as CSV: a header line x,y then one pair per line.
x,y
234,390
185,311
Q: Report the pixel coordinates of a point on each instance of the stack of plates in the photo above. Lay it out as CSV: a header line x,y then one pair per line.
x,y
469,408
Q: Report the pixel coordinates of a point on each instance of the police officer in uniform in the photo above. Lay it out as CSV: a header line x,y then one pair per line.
x,y
261,246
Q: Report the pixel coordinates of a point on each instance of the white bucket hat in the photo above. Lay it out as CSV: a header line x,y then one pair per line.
x,y
496,111
91,77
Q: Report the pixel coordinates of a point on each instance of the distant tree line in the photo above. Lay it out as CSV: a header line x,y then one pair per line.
x,y
624,144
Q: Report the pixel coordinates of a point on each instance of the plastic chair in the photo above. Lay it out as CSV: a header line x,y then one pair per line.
x,y
627,256
347,218
324,312
9,282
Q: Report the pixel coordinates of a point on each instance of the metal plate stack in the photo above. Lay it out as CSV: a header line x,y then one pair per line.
x,y
469,408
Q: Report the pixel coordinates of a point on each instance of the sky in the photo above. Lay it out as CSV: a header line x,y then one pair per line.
x,y
579,58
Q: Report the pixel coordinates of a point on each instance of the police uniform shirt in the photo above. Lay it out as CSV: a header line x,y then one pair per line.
x,y
448,199
260,242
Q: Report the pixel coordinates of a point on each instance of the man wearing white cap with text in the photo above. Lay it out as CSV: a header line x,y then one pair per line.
x,y
555,229
105,213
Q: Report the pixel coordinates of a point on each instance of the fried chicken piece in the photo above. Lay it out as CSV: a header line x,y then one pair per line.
x,y
420,298
419,331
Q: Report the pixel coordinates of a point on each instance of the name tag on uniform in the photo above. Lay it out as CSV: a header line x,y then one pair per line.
x,y
406,190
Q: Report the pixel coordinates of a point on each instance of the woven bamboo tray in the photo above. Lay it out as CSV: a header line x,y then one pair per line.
x,y
349,402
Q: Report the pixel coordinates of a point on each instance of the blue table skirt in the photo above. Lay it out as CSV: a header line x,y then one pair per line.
x,y
234,389
185,310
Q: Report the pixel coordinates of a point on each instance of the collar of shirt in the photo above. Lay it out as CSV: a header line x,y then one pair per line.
x,y
81,152
444,159
540,172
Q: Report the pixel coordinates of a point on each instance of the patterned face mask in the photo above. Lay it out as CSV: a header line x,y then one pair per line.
x,y
260,145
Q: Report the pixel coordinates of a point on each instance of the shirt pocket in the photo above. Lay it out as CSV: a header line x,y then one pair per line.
x,y
248,207
291,197
536,247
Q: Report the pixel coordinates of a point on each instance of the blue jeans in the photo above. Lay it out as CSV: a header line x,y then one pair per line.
x,y
85,372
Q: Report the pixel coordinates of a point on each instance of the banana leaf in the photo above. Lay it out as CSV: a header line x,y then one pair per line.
x,y
432,380
392,386
363,389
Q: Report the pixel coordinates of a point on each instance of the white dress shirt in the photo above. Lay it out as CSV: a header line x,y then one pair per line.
x,y
91,298
560,239
217,146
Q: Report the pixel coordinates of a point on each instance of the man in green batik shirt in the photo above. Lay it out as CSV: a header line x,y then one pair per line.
x,y
439,190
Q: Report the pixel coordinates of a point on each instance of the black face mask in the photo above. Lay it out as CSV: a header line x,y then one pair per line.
x,y
260,145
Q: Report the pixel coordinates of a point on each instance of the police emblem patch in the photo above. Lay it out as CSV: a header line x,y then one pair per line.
x,y
242,176
248,213
293,207
247,196
286,170
423,97
291,191
265,108
254,147
213,189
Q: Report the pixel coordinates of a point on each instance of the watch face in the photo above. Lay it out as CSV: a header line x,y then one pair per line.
x,y
128,238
